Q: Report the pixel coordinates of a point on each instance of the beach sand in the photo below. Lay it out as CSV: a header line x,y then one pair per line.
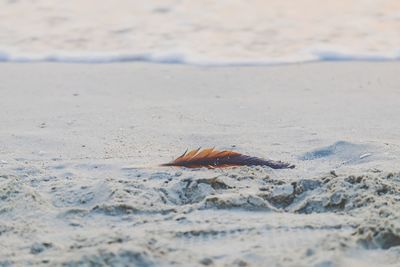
x,y
80,147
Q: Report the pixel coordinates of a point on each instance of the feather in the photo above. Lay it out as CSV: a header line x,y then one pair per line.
x,y
211,158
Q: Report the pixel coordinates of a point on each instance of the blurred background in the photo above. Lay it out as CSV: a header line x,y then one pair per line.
x,y
199,32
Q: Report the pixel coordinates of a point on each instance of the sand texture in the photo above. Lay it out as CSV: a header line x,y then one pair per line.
x,y
80,183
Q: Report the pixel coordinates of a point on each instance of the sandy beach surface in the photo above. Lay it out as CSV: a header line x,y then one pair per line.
x,y
80,146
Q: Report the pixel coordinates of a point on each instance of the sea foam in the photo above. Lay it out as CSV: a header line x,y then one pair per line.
x,y
206,33
314,55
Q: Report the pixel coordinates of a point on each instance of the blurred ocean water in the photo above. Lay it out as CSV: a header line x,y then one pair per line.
x,y
199,32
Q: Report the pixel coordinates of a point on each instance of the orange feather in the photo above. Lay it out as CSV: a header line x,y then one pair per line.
x,y
211,158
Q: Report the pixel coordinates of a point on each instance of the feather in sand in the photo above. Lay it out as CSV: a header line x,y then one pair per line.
x,y
211,158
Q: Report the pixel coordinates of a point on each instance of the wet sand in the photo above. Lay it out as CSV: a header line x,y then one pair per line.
x,y
80,147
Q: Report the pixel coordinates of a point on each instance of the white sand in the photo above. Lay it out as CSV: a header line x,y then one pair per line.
x,y
80,144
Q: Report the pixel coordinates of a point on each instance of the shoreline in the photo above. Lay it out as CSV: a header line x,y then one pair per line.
x,y
180,61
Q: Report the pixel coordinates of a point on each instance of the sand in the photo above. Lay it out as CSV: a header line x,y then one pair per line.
x,y
80,147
